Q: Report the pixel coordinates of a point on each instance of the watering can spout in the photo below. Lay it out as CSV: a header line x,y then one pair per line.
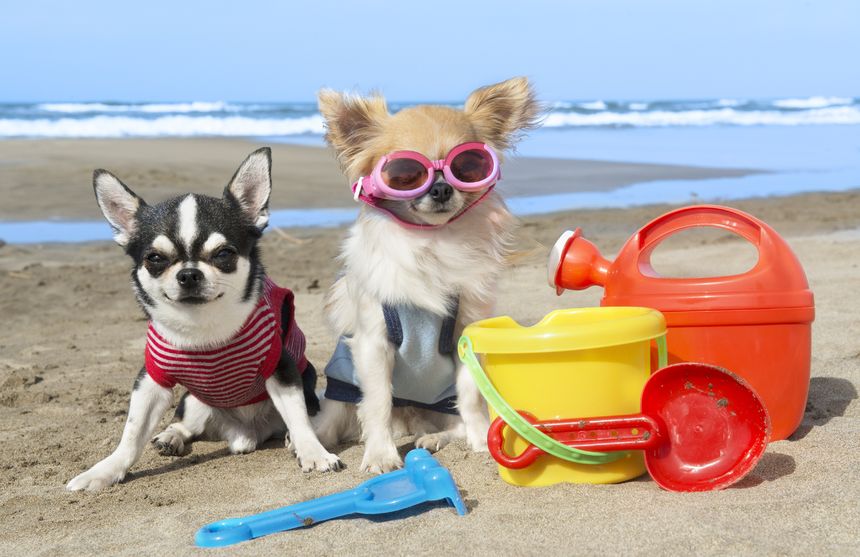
x,y
576,264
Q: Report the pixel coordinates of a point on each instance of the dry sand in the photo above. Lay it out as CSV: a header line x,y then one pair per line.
x,y
72,340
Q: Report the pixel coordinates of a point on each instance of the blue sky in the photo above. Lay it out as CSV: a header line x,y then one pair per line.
x,y
440,50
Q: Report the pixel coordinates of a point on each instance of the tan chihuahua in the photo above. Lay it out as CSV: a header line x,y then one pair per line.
x,y
421,262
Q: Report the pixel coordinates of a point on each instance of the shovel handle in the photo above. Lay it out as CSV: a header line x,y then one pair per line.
x,y
609,433
496,445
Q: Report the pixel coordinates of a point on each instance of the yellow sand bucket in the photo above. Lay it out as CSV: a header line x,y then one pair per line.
x,y
575,362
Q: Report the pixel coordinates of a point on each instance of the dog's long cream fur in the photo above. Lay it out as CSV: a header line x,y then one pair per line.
x,y
387,263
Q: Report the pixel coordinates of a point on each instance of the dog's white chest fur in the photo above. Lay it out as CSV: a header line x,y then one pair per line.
x,y
394,264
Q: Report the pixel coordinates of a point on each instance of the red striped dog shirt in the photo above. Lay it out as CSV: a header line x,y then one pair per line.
x,y
234,374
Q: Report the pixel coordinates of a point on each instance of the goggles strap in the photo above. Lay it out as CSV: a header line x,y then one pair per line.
x,y
356,194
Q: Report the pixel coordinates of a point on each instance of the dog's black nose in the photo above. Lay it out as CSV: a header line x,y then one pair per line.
x,y
441,192
189,278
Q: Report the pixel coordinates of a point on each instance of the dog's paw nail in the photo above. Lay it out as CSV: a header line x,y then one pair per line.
x,y
433,442
323,462
381,465
333,464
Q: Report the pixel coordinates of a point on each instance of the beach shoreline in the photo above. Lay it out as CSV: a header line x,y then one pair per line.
x,y
34,172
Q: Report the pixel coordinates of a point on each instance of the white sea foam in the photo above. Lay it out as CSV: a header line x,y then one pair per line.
x,y
593,105
725,116
176,126
199,118
813,102
150,108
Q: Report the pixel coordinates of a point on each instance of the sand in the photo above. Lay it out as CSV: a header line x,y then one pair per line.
x,y
72,341
303,176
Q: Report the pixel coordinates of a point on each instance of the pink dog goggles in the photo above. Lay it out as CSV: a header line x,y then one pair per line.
x,y
407,174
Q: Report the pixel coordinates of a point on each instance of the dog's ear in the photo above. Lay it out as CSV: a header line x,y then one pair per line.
x,y
501,112
352,122
118,204
251,187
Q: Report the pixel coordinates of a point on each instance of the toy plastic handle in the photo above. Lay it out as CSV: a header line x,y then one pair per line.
x,y
606,433
662,352
629,432
516,422
223,532
496,444
715,216
235,530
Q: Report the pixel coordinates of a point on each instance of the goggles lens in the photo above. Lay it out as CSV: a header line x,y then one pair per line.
x,y
472,165
404,174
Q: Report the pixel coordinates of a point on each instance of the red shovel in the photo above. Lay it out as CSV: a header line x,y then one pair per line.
x,y
701,428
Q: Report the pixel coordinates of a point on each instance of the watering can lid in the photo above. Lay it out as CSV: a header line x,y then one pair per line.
x,y
567,329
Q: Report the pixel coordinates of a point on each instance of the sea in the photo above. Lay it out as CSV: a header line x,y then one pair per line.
x,y
803,144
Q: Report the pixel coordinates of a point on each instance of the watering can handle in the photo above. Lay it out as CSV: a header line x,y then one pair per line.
x,y
717,216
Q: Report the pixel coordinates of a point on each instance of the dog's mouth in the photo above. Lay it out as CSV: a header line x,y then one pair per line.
x,y
447,208
433,211
424,211
194,300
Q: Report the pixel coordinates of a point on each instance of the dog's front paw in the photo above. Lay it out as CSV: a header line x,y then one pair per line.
x,y
476,438
434,441
242,444
318,459
381,461
479,445
170,443
101,475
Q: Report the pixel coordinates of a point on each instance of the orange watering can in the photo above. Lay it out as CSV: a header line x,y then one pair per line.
x,y
756,324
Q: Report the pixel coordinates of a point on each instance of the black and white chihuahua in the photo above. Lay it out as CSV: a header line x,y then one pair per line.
x,y
218,326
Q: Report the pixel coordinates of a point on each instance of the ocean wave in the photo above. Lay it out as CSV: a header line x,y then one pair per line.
x,y
150,108
725,116
813,102
593,105
219,118
165,126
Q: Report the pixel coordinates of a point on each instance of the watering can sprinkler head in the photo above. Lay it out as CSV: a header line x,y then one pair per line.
x,y
575,263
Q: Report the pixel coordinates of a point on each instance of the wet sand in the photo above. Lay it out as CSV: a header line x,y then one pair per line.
x,y
48,179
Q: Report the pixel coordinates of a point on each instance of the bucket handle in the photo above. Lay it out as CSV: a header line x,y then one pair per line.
x,y
519,424
539,440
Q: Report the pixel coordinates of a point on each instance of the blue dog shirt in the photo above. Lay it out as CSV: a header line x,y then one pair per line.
x,y
424,373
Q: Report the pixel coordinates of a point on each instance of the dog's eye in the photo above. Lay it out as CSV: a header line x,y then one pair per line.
x,y
156,258
224,253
